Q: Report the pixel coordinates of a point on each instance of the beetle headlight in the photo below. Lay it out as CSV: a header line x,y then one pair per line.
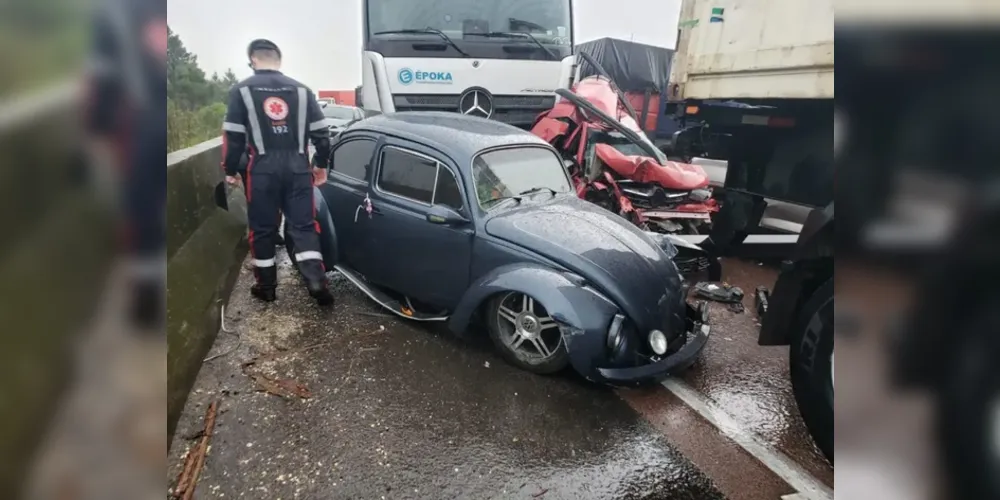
x,y
616,333
658,342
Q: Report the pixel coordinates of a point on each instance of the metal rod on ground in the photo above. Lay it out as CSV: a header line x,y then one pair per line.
x,y
239,340
187,493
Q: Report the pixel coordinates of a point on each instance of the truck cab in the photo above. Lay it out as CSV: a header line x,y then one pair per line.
x,y
502,61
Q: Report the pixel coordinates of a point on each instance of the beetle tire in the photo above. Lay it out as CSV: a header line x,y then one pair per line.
x,y
556,363
810,366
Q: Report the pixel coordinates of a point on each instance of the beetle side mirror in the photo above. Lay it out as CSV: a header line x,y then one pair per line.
x,y
440,214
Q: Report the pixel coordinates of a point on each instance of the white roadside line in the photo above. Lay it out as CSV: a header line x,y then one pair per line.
x,y
807,486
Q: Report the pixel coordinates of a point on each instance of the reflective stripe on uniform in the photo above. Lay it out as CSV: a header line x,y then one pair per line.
x,y
318,125
302,119
234,127
263,262
308,255
258,139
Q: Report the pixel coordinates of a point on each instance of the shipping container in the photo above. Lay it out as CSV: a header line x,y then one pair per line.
x,y
764,49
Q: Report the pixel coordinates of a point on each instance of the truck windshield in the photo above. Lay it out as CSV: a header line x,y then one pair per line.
x,y
508,173
473,25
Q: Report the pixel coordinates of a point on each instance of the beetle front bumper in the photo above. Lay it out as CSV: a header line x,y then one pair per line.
x,y
659,370
632,365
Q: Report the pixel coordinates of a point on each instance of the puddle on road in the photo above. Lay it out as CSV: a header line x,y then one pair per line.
x,y
751,382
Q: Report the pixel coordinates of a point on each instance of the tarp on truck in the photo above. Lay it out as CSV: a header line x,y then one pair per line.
x,y
635,67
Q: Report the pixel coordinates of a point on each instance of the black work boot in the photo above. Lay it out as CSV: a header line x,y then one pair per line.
x,y
267,294
267,281
321,293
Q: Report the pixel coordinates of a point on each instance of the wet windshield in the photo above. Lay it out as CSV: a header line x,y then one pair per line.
x,y
547,20
339,112
640,146
510,172
619,142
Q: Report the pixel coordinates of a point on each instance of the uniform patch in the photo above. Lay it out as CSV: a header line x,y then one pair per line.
x,y
275,108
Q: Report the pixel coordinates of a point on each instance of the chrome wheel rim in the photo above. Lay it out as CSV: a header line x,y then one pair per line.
x,y
526,328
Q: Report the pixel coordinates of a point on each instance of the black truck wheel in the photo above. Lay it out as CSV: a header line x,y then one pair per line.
x,y
811,358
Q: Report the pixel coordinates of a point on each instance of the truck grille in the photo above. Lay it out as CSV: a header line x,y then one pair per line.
x,y
517,110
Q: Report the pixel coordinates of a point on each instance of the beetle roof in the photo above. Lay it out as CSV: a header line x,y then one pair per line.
x,y
459,136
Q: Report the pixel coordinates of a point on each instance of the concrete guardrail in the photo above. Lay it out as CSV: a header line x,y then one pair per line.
x,y
54,259
205,248
58,250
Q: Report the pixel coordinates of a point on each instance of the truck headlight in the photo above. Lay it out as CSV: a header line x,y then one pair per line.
x,y
658,342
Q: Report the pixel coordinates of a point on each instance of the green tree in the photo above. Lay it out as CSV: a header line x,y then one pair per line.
x,y
196,104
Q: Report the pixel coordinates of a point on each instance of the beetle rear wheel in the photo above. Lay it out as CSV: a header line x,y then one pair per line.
x,y
525,334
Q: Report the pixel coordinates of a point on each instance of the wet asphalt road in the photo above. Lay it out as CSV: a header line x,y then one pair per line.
x,y
751,382
404,410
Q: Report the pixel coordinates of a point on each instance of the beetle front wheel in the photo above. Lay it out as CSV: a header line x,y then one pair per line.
x,y
525,334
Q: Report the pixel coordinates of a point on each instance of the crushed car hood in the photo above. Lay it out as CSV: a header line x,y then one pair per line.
x,y
608,251
672,175
552,126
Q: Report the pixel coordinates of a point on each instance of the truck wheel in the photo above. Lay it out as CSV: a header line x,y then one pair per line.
x,y
968,411
524,333
811,360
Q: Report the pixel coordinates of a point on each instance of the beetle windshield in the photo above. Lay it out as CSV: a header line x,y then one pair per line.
x,y
506,173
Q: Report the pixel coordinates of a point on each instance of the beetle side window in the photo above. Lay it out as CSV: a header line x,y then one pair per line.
x,y
351,157
407,175
447,192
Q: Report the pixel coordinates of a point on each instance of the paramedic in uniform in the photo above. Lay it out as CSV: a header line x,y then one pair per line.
x,y
124,119
272,116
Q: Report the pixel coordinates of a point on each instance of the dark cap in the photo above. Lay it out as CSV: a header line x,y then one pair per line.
x,y
262,44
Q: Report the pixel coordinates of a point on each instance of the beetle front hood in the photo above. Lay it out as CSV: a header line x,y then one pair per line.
x,y
606,250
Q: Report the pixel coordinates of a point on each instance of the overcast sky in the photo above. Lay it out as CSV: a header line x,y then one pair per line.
x,y
320,40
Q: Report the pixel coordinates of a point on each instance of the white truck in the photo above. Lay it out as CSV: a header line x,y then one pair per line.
x,y
752,84
501,60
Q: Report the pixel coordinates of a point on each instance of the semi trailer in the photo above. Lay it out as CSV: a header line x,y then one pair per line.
x,y
752,85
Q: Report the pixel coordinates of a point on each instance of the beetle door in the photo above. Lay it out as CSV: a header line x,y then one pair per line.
x,y
345,190
421,233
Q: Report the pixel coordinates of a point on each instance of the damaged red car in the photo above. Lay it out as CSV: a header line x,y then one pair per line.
x,y
615,165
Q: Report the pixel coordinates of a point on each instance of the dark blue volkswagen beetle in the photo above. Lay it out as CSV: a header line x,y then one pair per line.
x,y
444,217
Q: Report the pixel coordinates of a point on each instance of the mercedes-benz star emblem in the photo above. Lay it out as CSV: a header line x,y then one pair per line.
x,y
476,102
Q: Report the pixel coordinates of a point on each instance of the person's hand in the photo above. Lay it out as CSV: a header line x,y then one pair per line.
x,y
319,176
233,180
